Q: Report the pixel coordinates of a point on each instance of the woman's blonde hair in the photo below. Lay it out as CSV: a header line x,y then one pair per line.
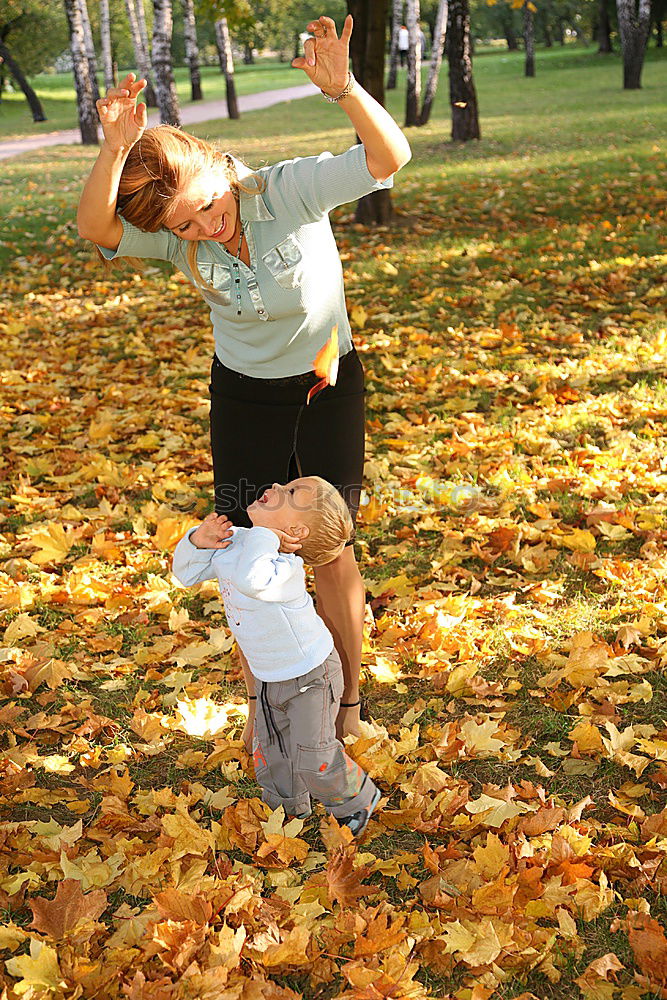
x,y
158,167
330,525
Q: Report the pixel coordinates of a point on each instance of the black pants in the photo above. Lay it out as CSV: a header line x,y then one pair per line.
x,y
262,432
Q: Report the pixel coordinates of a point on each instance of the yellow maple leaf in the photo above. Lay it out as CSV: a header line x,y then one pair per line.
x,y
53,543
38,970
490,859
481,738
579,540
494,812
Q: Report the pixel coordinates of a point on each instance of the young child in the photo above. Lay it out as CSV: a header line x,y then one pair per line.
x,y
290,651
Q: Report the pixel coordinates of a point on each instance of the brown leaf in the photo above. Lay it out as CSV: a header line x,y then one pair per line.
x,y
57,916
649,944
344,881
173,904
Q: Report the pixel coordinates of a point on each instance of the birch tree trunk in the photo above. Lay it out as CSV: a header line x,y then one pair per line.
x,y
165,86
84,89
367,52
191,48
634,21
90,48
105,36
224,45
413,92
529,36
31,97
462,94
141,48
396,21
439,36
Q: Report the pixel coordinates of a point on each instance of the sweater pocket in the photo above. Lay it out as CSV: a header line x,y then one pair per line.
x,y
220,277
283,261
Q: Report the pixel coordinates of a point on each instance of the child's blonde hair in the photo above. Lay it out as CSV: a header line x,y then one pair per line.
x,y
330,524
159,166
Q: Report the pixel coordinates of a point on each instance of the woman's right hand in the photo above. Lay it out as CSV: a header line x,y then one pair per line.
x,y
123,121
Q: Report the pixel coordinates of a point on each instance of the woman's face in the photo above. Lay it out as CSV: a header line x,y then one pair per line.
x,y
206,209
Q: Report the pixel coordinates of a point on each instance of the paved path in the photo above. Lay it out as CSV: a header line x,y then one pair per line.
x,y
191,113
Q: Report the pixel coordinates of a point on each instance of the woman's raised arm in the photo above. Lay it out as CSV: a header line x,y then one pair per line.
x,y
123,123
326,62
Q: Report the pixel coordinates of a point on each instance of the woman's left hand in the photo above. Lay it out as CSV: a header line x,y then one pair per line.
x,y
326,58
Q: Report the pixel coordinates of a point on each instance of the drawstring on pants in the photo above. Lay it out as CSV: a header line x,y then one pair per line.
x,y
269,721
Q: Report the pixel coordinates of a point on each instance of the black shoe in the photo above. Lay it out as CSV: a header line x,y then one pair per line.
x,y
358,821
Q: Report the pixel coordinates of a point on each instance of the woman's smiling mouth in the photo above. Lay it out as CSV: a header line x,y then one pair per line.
x,y
215,235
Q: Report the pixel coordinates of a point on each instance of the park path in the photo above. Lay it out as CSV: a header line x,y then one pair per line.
x,y
190,114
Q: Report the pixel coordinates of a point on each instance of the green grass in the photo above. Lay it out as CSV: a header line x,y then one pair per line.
x,y
56,92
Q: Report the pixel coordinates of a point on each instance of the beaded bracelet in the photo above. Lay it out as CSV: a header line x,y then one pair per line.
x,y
348,87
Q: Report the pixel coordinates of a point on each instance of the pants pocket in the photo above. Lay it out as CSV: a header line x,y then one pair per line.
x,y
323,770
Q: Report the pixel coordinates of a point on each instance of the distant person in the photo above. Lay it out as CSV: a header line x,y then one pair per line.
x,y
258,246
422,44
403,44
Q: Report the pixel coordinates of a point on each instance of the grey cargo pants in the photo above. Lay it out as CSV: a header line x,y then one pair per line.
x,y
295,750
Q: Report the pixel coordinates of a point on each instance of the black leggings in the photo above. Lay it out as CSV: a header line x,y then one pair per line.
x,y
262,432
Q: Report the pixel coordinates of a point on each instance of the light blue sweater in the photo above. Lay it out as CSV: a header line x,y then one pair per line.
x,y
268,609
292,294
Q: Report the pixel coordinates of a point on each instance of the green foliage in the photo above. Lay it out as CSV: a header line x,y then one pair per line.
x,y
34,32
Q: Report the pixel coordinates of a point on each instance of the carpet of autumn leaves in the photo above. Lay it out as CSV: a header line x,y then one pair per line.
x,y
513,546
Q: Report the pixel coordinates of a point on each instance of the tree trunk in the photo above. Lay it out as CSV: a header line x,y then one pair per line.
x,y
462,94
367,47
31,97
297,45
507,22
248,57
164,75
191,48
561,31
396,21
658,34
529,36
224,45
90,48
604,28
413,91
105,36
634,21
439,36
84,88
134,12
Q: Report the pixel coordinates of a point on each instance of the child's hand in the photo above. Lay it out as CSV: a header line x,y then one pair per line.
x,y
215,532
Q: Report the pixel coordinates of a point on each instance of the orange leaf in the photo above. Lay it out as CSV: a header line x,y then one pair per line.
x,y
326,364
57,916
344,881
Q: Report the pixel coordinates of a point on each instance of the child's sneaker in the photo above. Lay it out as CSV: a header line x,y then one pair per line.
x,y
358,821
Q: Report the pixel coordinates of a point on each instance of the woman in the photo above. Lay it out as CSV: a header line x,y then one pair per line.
x,y
259,247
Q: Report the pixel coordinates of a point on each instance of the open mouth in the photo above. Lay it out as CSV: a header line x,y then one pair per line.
x,y
214,236
264,497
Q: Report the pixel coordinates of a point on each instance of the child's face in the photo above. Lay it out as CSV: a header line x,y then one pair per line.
x,y
286,508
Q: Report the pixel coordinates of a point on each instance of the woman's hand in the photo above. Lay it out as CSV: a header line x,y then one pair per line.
x,y
215,532
326,56
123,121
288,543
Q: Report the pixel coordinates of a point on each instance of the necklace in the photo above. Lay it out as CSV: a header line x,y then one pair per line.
x,y
237,274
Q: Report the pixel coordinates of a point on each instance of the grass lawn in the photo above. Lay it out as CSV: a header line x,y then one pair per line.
x,y
56,92
514,333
